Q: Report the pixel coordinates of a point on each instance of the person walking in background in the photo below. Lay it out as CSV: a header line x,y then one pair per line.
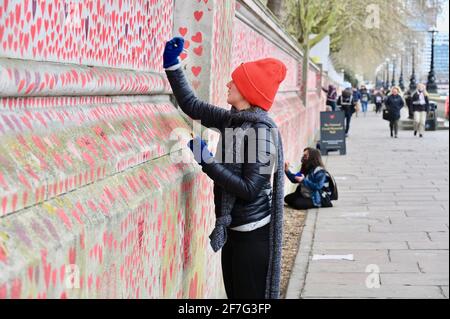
x,y
348,106
365,99
311,179
331,97
379,98
421,107
394,104
408,100
357,99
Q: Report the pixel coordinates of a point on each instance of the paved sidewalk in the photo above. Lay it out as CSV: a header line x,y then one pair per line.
x,y
392,216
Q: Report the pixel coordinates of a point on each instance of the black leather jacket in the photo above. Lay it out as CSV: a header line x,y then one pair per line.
x,y
252,188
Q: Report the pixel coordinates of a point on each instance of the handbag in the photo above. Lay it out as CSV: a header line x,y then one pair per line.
x,y
387,115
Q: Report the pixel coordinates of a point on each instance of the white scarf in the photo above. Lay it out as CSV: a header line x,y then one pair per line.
x,y
422,98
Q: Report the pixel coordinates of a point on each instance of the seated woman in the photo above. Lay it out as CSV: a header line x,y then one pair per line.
x,y
312,178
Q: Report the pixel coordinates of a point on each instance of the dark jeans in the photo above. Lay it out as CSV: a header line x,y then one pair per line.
x,y
297,201
245,262
378,107
348,119
393,125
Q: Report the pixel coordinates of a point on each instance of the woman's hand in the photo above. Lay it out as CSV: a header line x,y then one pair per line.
x,y
300,178
172,52
286,166
200,149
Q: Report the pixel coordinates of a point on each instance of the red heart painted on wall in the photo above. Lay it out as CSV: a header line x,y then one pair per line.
x,y
10,41
198,15
38,25
18,8
199,50
33,31
196,70
198,37
26,40
183,31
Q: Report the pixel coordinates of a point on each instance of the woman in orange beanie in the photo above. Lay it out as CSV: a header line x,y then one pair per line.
x,y
248,207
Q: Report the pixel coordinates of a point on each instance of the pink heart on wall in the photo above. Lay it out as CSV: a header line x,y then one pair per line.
x,y
198,15
183,31
197,37
199,50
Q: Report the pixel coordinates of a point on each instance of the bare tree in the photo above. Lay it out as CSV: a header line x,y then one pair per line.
x,y
311,21
363,33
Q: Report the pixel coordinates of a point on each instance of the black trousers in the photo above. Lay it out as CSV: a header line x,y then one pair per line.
x,y
393,125
348,119
378,107
297,201
245,262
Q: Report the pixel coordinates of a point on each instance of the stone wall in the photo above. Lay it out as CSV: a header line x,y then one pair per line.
x,y
91,203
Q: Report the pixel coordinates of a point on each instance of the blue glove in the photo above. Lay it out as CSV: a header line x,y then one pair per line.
x,y
200,149
298,174
172,52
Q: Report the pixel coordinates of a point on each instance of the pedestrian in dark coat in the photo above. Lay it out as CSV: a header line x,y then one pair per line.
x,y
379,98
408,100
348,106
394,104
365,99
248,207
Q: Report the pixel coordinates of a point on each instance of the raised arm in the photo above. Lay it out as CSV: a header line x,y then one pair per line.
x,y
209,115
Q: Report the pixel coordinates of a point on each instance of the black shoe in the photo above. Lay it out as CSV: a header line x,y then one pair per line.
x,y
420,135
396,136
415,133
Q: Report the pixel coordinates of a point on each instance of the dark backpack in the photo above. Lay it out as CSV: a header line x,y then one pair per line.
x,y
330,187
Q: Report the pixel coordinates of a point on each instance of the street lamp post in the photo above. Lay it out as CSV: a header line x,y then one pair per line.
x,y
394,65
412,82
431,84
386,84
401,82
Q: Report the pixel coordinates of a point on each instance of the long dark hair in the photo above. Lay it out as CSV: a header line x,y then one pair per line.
x,y
314,160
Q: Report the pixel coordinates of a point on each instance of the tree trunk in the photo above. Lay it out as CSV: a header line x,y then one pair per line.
x,y
305,73
276,6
